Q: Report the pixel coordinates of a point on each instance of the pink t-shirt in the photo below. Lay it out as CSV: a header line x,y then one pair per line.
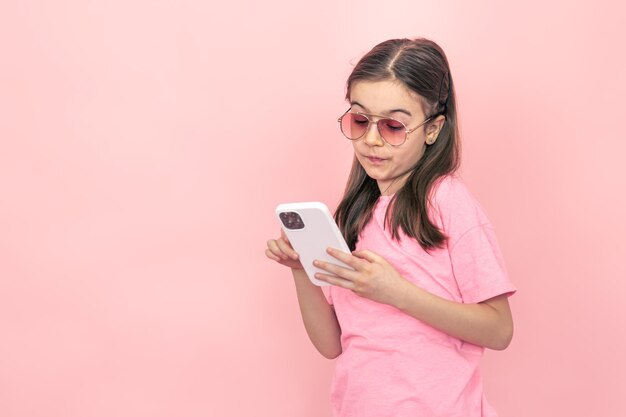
x,y
393,364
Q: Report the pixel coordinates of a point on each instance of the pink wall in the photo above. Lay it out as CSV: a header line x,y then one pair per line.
x,y
144,145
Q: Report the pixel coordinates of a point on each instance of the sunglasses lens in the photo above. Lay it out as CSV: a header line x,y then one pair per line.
x,y
392,131
354,125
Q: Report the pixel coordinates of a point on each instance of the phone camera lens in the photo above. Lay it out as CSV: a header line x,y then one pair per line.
x,y
291,220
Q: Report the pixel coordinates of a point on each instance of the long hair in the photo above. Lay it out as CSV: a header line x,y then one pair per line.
x,y
422,67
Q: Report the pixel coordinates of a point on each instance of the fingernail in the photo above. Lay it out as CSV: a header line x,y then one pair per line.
x,y
295,256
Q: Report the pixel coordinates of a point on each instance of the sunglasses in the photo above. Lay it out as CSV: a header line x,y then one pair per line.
x,y
355,125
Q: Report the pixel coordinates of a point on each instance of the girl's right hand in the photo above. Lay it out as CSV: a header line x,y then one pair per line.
x,y
281,251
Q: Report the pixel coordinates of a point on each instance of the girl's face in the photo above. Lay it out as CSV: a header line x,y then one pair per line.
x,y
390,165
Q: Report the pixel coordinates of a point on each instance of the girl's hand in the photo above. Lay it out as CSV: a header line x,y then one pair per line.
x,y
373,277
281,251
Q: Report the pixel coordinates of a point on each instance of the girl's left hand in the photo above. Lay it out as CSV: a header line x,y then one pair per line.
x,y
373,277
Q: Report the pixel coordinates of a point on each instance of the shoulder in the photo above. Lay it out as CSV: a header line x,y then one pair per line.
x,y
454,205
450,191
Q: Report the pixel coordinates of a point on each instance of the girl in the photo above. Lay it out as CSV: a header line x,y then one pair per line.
x,y
427,291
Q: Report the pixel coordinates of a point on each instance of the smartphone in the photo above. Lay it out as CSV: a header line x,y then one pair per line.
x,y
311,230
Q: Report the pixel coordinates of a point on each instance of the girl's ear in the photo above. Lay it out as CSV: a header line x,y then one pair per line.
x,y
433,129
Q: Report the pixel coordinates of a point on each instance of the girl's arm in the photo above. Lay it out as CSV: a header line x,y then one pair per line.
x,y
488,324
320,320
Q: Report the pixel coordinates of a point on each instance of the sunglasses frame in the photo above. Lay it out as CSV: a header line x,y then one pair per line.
x,y
370,121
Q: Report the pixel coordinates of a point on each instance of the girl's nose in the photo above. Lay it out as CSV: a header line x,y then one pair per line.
x,y
372,136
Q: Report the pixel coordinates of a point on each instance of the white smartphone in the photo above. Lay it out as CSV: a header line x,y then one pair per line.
x,y
311,230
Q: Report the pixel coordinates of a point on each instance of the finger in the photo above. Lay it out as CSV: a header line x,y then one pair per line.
x,y
368,256
346,258
339,271
270,255
286,248
272,245
335,280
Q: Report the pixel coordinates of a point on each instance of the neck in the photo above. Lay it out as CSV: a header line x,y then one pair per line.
x,y
394,185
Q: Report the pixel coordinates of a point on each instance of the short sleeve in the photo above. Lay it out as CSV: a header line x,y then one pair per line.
x,y
478,265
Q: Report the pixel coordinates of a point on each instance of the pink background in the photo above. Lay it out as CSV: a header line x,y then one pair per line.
x,y
145,144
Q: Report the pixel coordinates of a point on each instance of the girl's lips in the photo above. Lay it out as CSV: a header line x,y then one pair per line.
x,y
374,160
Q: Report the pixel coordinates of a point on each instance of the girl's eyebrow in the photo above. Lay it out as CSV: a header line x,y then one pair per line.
x,y
399,110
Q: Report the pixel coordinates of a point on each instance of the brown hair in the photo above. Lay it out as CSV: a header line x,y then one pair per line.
x,y
422,67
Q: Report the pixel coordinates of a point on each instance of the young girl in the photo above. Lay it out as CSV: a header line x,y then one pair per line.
x,y
428,290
